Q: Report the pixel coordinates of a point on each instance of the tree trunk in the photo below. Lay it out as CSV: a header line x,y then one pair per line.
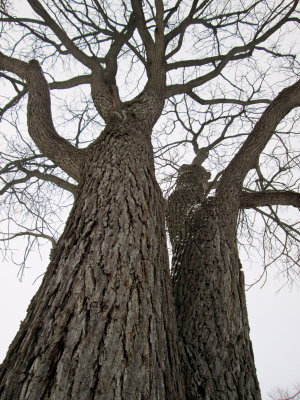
x,y
102,324
216,351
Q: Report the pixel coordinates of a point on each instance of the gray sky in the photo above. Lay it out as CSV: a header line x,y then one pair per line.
x,y
275,324
274,321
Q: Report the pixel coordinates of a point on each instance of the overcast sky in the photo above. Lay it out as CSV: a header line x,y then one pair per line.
x,y
274,321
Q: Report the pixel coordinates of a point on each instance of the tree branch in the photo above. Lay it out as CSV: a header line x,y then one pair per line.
x,y
61,34
120,38
270,198
230,185
41,128
241,51
173,90
181,28
39,118
171,11
70,187
245,159
70,83
199,62
11,64
157,75
227,101
12,183
142,26
27,233
15,100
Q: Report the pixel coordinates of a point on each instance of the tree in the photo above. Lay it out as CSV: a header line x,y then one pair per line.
x,y
207,278
103,324
283,394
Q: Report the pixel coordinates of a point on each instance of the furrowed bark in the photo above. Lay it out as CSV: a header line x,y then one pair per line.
x,y
102,324
216,352
208,282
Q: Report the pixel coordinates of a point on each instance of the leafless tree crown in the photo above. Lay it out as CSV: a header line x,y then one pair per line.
x,y
223,64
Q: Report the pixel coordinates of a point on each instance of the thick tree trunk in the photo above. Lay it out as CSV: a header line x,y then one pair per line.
x,y
102,324
216,351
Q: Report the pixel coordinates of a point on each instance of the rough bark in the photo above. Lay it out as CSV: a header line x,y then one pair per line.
x,y
102,324
216,352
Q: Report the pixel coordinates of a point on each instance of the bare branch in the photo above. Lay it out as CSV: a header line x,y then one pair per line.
x,y
268,198
120,38
12,183
142,25
173,90
242,51
181,28
40,124
14,65
15,100
61,34
41,128
27,233
248,154
199,100
200,62
70,83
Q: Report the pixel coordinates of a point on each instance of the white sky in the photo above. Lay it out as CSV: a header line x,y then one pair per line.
x,y
274,321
